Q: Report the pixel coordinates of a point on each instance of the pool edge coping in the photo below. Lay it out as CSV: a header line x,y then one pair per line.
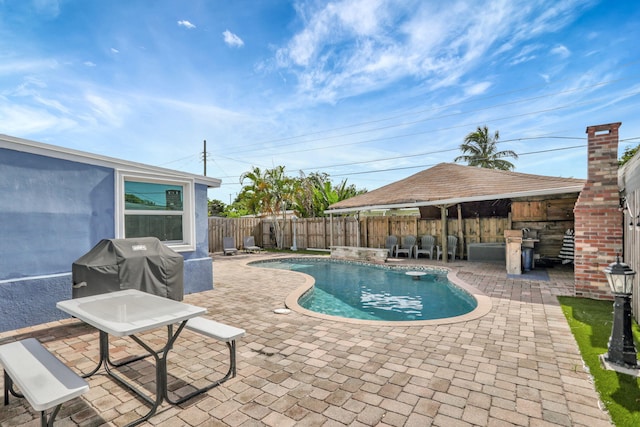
x,y
483,308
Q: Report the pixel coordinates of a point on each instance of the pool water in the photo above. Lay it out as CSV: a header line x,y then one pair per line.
x,y
372,292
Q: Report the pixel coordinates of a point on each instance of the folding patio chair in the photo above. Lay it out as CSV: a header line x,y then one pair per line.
x,y
249,244
229,245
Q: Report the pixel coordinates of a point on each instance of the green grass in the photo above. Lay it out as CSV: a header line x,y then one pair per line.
x,y
590,322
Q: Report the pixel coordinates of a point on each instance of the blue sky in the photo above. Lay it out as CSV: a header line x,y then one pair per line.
x,y
371,91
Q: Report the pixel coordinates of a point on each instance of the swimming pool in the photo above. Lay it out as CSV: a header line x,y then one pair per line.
x,y
377,293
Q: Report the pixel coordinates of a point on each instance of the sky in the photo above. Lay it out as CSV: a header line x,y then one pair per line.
x,y
371,91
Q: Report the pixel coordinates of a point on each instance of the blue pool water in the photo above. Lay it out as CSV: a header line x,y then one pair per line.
x,y
372,292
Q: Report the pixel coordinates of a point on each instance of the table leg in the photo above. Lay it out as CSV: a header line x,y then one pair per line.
x,y
160,357
161,372
104,353
105,358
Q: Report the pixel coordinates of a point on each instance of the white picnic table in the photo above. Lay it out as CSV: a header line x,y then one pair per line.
x,y
127,313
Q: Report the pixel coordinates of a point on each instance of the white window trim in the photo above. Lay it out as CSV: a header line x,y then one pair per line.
x,y
188,205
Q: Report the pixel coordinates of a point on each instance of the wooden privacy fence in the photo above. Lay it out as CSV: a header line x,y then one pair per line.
x,y
321,233
232,227
309,232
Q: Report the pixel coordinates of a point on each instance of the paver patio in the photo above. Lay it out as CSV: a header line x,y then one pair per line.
x,y
517,365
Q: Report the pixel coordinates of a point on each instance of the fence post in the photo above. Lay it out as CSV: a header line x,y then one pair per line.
x,y
365,233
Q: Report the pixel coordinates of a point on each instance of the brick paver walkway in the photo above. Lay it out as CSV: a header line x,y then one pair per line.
x,y
518,365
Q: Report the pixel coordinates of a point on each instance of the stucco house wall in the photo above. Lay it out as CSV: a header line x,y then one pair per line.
x,y
56,205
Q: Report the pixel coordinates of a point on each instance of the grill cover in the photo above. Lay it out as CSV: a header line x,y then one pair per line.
x,y
138,263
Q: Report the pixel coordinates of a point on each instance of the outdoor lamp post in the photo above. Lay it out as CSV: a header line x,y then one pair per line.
x,y
622,351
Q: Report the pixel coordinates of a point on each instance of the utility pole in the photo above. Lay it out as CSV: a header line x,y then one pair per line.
x,y
204,157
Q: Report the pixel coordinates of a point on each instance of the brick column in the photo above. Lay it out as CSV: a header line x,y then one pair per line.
x,y
598,217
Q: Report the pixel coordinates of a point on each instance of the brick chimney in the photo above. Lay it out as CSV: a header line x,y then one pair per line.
x,y
598,217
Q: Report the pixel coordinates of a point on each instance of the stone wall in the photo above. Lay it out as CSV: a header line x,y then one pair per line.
x,y
359,254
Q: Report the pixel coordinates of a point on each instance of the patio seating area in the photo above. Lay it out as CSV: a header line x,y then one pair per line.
x,y
517,365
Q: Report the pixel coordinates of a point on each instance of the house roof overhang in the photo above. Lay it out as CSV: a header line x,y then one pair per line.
x,y
33,147
456,200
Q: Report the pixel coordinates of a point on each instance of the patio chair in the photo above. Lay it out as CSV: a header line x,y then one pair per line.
x,y
249,244
408,242
391,243
427,243
452,245
229,245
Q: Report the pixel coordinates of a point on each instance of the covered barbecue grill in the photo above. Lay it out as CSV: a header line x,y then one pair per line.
x,y
143,263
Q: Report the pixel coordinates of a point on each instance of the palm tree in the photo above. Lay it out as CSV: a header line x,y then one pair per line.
x,y
479,149
255,197
270,193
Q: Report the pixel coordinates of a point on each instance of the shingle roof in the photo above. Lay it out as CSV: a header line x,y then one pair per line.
x,y
448,183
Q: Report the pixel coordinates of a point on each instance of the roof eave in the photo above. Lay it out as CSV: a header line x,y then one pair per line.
x,y
452,201
39,148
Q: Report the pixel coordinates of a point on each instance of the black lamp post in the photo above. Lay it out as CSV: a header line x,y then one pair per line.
x,y
622,351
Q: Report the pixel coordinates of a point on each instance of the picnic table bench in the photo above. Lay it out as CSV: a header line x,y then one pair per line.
x,y
41,377
221,332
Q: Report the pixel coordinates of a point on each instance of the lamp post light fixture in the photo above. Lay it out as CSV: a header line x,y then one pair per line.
x,y
621,350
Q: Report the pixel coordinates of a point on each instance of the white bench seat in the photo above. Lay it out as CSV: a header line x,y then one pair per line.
x,y
221,332
42,378
214,329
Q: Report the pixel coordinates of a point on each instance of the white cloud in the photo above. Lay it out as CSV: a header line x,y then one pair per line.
x,y
232,39
104,110
362,17
337,51
477,89
186,24
114,50
34,92
351,47
561,51
526,54
28,66
49,8
89,64
26,121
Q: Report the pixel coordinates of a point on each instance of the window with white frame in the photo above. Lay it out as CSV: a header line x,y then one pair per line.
x,y
155,207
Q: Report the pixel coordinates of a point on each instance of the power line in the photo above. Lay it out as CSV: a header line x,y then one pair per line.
x,y
427,110
547,110
630,139
449,106
428,153
445,151
463,125
433,164
190,156
442,151
588,102
426,119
